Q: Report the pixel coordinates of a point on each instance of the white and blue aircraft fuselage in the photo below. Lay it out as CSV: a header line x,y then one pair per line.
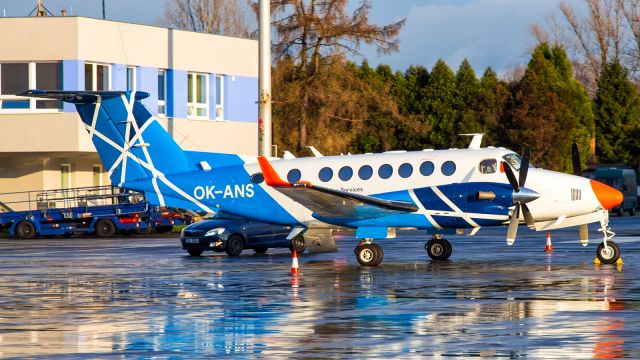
x,y
441,191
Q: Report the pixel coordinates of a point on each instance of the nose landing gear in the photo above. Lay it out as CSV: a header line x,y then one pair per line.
x,y
438,248
607,252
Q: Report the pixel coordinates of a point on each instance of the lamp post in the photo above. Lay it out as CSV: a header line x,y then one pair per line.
x,y
264,80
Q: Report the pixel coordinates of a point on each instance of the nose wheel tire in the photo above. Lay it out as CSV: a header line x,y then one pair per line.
x,y
609,254
369,254
439,249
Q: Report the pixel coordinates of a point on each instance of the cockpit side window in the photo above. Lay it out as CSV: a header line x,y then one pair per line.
x,y
488,166
514,160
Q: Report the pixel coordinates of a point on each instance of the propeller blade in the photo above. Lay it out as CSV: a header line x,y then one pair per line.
x,y
524,167
528,218
584,234
575,158
511,176
513,225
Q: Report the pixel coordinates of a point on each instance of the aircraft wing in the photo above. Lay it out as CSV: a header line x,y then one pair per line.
x,y
331,203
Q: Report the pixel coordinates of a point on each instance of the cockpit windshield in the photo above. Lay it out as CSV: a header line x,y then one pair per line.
x,y
514,160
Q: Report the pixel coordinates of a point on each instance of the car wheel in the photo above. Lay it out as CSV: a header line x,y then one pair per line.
x,y
298,244
105,228
25,230
235,244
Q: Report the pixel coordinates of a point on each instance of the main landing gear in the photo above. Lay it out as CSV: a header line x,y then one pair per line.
x,y
607,252
368,253
438,248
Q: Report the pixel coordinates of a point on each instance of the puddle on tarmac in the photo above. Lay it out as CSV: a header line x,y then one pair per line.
x,y
141,301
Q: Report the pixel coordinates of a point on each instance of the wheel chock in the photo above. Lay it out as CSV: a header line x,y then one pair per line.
x,y
619,261
596,261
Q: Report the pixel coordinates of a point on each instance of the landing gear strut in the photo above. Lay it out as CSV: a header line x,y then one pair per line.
x,y
368,253
607,252
438,248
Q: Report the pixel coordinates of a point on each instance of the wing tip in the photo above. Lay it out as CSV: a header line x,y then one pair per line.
x,y
270,175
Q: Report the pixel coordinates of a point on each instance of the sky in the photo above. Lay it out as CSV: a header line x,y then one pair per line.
x,y
487,32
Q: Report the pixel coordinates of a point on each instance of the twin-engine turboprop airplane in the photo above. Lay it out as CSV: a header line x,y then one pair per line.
x,y
442,191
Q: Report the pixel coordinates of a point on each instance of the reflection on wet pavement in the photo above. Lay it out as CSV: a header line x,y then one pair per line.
x,y
144,297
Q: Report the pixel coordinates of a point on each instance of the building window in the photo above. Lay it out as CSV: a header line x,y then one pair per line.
x,y
219,97
131,78
65,176
97,77
97,175
162,92
197,96
18,77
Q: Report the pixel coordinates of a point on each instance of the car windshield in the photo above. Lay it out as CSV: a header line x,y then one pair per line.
x,y
514,160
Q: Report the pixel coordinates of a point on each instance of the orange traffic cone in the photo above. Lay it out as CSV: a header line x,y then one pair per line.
x,y
295,269
548,248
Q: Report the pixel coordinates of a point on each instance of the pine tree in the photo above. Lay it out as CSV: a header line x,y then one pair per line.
x,y
439,106
617,110
466,102
494,95
550,111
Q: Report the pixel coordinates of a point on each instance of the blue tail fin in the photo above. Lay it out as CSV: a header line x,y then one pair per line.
x,y
129,140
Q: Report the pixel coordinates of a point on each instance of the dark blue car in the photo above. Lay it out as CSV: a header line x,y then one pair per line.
x,y
234,235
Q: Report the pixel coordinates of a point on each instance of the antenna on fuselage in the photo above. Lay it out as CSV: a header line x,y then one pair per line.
x,y
315,151
476,141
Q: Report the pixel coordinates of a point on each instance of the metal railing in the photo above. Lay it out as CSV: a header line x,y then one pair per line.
x,y
67,198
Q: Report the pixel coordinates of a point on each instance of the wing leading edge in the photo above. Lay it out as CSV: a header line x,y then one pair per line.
x,y
331,203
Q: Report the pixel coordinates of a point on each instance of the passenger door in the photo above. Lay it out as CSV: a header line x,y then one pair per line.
x,y
258,234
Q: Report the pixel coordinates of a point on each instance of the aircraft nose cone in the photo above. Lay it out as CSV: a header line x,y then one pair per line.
x,y
607,196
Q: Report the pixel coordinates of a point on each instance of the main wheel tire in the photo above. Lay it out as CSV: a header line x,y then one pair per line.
x,y
25,230
260,249
608,255
195,252
439,249
105,228
235,244
164,229
298,244
369,254
620,212
632,211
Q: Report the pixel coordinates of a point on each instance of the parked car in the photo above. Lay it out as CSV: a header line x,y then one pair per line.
x,y
234,235
625,181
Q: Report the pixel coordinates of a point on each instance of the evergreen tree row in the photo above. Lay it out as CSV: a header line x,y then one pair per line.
x,y
357,109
